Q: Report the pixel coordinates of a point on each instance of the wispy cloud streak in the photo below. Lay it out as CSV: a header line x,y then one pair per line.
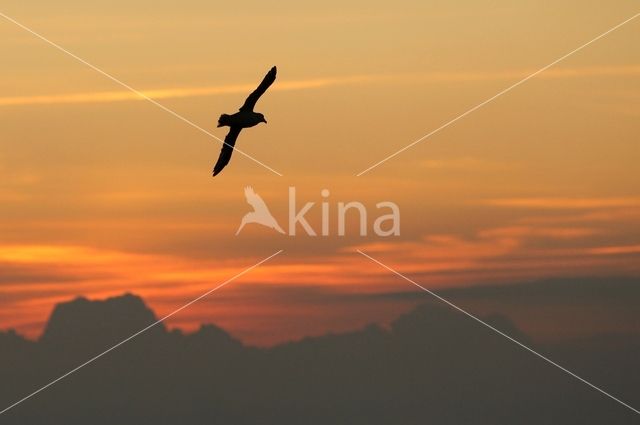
x,y
307,84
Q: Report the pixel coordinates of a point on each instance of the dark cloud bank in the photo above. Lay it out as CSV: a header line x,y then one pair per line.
x,y
433,365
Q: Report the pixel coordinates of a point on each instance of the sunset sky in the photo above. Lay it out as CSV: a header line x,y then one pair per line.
x,y
103,192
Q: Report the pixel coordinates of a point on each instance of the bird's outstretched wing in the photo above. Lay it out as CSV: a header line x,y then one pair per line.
x,y
227,149
255,200
268,79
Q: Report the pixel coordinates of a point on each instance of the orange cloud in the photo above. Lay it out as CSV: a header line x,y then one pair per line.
x,y
564,203
543,232
616,250
503,253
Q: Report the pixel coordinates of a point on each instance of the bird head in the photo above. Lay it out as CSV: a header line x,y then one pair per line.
x,y
262,118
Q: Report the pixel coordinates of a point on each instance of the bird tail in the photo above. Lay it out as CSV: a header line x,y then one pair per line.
x,y
224,120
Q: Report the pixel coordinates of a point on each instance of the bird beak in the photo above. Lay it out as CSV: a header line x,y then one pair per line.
x,y
264,120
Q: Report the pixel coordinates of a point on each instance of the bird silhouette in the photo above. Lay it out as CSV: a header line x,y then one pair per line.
x,y
260,213
244,118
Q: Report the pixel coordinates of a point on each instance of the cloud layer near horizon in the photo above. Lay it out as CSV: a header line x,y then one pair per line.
x,y
567,242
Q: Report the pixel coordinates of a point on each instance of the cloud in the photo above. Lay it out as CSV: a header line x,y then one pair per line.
x,y
430,356
184,92
314,83
564,203
467,163
33,277
616,250
509,252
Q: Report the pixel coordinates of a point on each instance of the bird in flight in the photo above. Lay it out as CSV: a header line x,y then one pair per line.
x,y
260,213
244,118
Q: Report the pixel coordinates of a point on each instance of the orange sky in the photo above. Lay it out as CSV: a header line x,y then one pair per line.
x,y
103,193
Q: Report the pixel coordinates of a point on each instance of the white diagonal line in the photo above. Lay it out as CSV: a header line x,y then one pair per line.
x,y
492,98
139,93
157,322
450,304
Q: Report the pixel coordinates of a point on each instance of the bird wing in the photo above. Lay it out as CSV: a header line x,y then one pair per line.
x,y
227,149
268,79
255,200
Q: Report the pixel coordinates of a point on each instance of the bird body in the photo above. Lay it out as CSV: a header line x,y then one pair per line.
x,y
244,118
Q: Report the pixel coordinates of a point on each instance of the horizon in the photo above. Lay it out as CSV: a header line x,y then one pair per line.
x,y
488,300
